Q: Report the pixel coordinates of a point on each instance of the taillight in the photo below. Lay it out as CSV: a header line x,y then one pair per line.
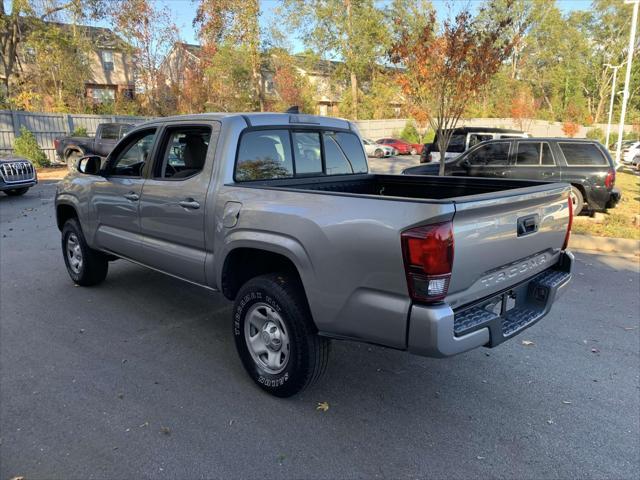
x,y
428,260
610,179
568,234
56,143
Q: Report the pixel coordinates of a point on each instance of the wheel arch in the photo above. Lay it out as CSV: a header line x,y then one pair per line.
x,y
65,211
244,262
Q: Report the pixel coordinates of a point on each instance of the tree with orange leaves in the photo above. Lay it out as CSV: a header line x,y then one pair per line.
x,y
442,70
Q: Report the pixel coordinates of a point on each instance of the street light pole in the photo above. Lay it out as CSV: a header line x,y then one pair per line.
x,y
615,69
625,95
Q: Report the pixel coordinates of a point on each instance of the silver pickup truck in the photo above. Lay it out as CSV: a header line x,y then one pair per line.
x,y
280,214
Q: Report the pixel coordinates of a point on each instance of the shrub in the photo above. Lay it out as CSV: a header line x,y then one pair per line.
x,y
410,133
596,134
570,129
80,132
27,146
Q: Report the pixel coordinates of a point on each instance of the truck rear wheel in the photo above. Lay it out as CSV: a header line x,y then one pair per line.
x,y
85,265
275,337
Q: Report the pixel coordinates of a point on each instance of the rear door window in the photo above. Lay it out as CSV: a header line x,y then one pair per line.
x,y
268,154
533,154
582,154
263,155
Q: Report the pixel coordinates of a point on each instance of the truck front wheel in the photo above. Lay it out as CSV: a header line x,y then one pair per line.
x,y
85,265
275,337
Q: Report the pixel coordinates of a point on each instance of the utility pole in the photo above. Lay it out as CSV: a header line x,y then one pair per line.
x,y
615,69
625,94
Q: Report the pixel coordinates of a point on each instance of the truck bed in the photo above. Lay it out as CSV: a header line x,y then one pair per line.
x,y
431,188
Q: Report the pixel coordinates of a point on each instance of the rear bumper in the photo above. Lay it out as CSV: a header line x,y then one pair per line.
x,y
614,198
439,331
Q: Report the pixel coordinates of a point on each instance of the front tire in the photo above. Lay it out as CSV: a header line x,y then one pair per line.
x,y
577,199
275,336
16,192
378,153
85,266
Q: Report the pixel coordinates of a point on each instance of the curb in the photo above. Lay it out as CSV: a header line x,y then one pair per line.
x,y
604,244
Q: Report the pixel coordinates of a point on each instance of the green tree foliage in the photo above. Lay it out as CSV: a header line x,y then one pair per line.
x,y
27,146
354,31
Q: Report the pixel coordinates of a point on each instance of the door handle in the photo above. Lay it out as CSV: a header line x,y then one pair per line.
x,y
190,203
547,174
134,197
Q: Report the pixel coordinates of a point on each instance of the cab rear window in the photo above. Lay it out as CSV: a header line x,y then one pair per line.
x,y
582,154
283,153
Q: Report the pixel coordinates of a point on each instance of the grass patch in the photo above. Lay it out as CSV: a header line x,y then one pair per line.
x,y
618,222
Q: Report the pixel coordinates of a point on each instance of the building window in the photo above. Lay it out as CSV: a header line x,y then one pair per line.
x,y
107,60
103,94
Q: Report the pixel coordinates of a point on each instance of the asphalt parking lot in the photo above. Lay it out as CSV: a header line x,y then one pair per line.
x,y
139,378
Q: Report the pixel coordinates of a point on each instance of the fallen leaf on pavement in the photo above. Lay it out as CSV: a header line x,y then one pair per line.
x,y
480,458
324,406
165,430
527,343
595,350
550,422
566,402
145,424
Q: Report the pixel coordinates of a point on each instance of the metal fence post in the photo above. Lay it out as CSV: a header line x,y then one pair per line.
x,y
69,122
16,124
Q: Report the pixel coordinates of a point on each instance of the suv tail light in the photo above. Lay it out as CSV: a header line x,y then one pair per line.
x,y
428,261
56,143
568,234
610,179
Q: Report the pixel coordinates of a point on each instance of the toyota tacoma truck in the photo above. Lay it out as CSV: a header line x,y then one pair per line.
x,y
69,149
280,214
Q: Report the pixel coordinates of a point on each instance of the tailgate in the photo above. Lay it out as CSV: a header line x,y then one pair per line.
x,y
502,239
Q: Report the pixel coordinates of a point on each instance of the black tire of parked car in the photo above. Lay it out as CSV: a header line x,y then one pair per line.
x,y
378,153
308,353
95,264
578,200
16,192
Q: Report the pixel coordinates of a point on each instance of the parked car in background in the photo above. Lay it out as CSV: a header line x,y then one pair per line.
x,y
402,146
464,138
585,164
629,151
70,149
17,175
379,151
280,214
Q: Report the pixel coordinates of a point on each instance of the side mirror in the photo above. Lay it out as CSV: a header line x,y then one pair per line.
x,y
465,163
90,165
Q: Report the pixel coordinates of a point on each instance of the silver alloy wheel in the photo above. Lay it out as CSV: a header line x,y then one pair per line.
x,y
267,338
74,253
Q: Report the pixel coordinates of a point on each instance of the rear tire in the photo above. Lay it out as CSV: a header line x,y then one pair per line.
x,y
85,266
275,336
16,192
414,151
577,199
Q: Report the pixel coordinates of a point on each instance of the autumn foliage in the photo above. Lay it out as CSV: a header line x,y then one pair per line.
x,y
446,68
570,129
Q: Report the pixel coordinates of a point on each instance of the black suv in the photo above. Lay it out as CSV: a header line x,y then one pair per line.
x,y
585,164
